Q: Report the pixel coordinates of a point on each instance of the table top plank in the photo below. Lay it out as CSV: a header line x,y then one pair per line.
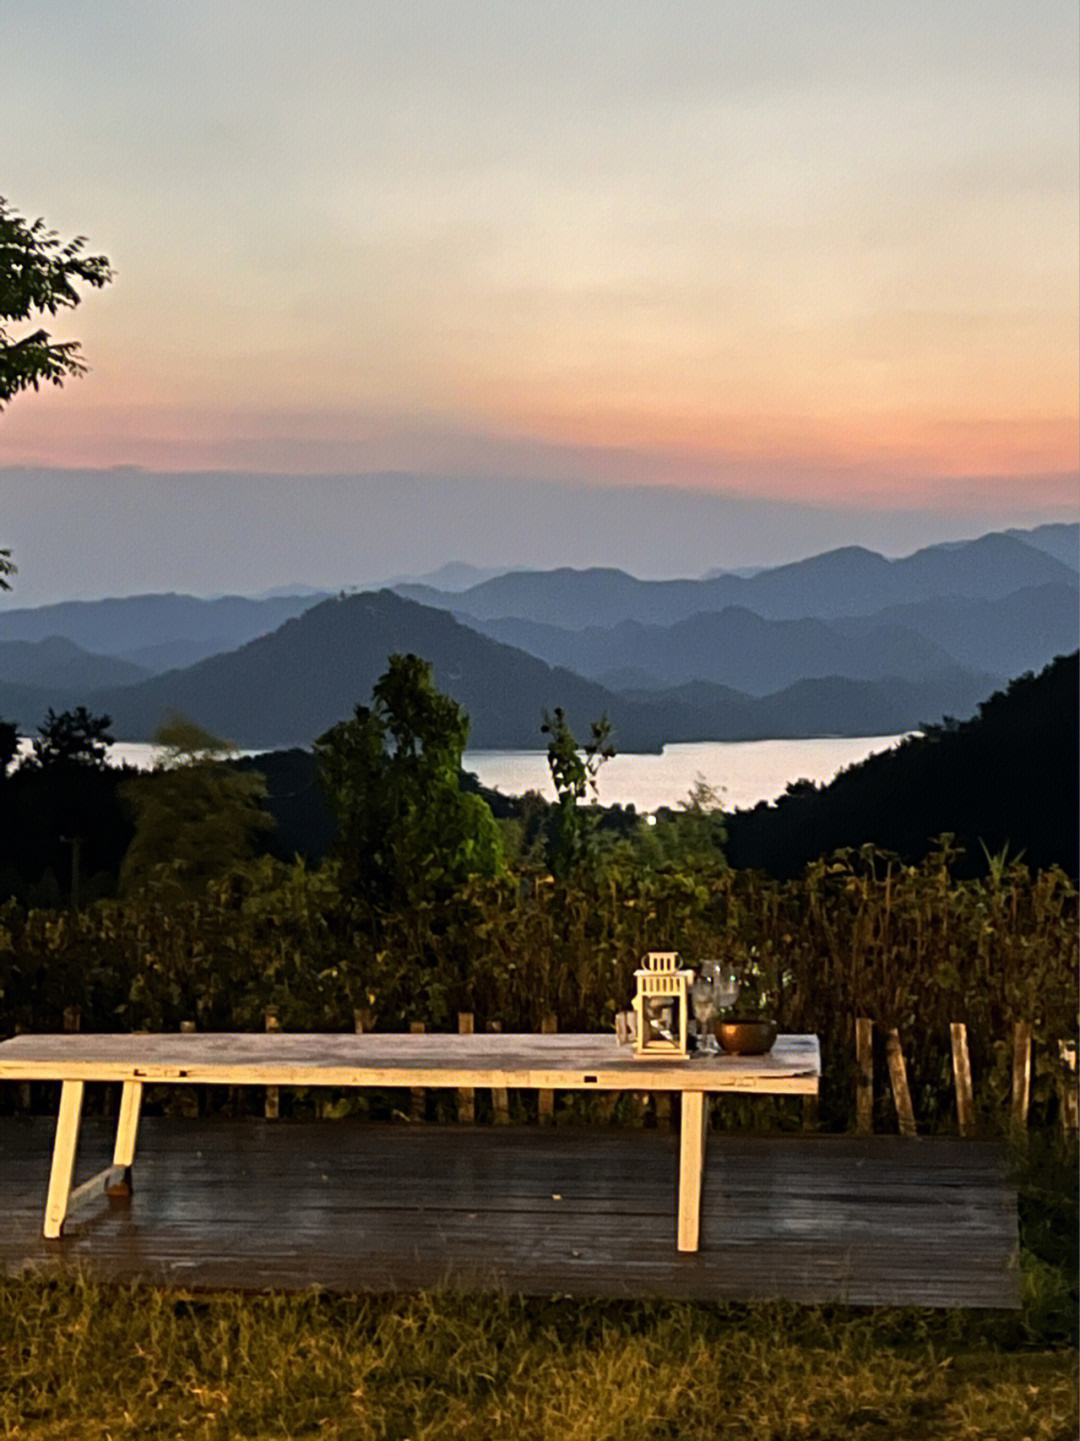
x,y
565,1061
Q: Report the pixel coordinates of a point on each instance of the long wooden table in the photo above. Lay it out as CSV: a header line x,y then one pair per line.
x,y
545,1062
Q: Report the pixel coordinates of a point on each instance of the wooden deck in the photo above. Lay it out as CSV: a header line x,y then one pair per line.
x,y
351,1206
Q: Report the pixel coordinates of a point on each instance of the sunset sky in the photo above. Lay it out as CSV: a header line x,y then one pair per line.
x,y
788,255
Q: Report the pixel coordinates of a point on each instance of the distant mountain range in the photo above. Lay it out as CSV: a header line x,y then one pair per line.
x,y
877,647
58,661
846,582
155,632
733,647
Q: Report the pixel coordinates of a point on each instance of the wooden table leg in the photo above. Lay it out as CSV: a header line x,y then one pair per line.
x,y
695,1120
63,1162
127,1130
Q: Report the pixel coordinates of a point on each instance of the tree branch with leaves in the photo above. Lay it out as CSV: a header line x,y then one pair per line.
x,y
38,275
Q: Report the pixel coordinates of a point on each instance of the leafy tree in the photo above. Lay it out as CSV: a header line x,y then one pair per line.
x,y
37,277
407,832
690,838
61,812
574,770
195,815
72,738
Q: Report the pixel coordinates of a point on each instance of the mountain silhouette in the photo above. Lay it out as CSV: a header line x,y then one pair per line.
x,y
734,647
843,582
1004,637
288,687
1004,781
57,661
128,625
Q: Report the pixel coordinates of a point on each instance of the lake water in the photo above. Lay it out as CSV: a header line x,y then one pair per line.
x,y
742,772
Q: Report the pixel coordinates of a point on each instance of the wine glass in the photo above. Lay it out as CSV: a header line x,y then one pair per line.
x,y
703,1004
725,985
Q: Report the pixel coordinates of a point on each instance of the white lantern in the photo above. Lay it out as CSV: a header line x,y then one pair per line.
x,y
661,1007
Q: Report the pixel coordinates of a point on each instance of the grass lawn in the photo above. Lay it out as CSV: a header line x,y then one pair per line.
x,y
79,1360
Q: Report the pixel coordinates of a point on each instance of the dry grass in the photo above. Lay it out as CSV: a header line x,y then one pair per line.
x,y
79,1360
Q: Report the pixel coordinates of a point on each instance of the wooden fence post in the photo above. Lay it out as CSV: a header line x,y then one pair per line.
x,y
898,1076
545,1100
466,1096
1069,1098
1021,1083
417,1094
961,1061
189,1099
500,1098
272,1104
864,1077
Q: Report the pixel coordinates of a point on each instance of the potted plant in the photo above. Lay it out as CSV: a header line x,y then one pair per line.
x,y
750,1028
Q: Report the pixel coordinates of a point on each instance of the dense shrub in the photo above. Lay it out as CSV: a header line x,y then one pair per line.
x,y
911,947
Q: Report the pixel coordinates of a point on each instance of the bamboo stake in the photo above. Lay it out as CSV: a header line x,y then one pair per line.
x,y
864,1077
545,1100
466,1096
1069,1098
189,1100
500,1098
272,1104
898,1076
417,1094
961,1061
1021,1087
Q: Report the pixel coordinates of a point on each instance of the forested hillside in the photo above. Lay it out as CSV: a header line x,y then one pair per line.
x,y
1008,778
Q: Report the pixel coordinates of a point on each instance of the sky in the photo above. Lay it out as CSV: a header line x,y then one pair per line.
x,y
662,285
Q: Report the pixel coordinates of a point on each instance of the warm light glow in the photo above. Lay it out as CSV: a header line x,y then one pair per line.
x,y
834,256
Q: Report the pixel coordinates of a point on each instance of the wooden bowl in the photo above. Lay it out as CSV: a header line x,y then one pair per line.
x,y
746,1038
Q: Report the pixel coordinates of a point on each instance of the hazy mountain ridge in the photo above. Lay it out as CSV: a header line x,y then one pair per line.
x,y
59,661
1005,637
734,647
823,706
127,624
286,688
1060,540
844,582
724,673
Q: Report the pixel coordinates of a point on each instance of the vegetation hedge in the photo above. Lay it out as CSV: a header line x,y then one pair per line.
x,y
912,947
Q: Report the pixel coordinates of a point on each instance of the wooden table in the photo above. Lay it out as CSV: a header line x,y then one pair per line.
x,y
545,1062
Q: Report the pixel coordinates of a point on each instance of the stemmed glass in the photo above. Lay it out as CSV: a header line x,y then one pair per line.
x,y
715,988
726,985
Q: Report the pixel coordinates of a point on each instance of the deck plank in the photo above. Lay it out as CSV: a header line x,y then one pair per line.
x,y
361,1206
